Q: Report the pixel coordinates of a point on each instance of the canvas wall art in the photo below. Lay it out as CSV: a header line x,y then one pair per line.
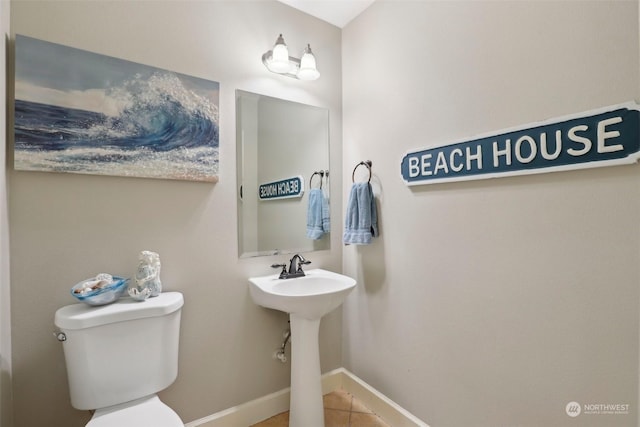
x,y
82,112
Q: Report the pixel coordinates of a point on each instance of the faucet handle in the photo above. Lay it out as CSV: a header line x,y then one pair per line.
x,y
284,269
304,261
301,259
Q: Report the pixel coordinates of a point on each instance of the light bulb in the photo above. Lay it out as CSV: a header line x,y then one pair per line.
x,y
280,57
308,70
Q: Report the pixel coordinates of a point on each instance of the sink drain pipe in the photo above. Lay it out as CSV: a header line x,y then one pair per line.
x,y
280,353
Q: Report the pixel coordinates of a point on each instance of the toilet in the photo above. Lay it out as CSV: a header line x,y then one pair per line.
x,y
118,356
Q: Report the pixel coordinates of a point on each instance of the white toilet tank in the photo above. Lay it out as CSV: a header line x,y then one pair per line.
x,y
120,352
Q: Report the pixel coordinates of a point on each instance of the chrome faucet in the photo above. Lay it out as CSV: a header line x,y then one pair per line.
x,y
295,267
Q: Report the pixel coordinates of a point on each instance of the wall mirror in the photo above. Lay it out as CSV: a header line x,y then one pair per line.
x,y
282,153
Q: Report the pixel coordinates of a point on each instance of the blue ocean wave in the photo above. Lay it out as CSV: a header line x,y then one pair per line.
x,y
158,121
157,112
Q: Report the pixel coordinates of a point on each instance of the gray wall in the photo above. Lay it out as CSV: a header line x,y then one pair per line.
x,y
68,227
5,312
492,303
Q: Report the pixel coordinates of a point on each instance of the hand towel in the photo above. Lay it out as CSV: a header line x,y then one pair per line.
x,y
314,214
361,222
326,221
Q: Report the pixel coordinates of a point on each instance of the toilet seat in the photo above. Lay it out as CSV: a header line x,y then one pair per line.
x,y
145,412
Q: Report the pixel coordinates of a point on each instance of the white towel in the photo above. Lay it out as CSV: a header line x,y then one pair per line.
x,y
361,222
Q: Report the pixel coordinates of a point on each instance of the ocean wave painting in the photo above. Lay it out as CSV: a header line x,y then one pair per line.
x,y
81,112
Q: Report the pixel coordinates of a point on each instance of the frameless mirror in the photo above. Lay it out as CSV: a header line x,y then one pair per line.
x,y
282,153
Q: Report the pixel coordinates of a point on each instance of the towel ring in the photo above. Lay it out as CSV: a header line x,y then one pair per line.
x,y
366,163
321,173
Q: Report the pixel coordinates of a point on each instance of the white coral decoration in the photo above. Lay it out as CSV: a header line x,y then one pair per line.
x,y
147,276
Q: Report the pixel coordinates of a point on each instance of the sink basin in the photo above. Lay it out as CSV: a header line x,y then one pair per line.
x,y
311,296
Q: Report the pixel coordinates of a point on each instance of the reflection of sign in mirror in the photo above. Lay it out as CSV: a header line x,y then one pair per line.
x,y
605,137
283,189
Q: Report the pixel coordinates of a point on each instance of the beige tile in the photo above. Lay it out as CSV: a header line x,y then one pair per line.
x,y
280,420
338,399
359,419
341,409
336,418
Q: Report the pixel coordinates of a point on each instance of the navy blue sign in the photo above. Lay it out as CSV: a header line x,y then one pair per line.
x,y
283,189
604,137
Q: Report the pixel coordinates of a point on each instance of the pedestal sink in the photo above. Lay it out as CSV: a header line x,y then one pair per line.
x,y
306,299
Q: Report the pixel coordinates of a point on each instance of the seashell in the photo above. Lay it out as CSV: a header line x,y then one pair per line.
x,y
139,294
105,276
89,285
100,284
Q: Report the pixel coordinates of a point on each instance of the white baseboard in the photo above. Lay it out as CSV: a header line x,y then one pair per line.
x,y
392,413
265,407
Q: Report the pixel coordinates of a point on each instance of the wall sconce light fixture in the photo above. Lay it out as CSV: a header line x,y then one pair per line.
x,y
278,61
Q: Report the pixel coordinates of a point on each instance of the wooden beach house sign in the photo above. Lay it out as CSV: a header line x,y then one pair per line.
x,y
605,137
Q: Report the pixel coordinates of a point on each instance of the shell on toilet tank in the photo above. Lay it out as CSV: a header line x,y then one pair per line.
x,y
120,352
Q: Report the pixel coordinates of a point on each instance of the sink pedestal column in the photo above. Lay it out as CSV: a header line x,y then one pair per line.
x,y
306,409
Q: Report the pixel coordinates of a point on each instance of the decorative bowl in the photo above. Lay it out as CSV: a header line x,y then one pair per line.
x,y
101,295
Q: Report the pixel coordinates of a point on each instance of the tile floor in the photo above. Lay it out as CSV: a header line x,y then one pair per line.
x,y
341,409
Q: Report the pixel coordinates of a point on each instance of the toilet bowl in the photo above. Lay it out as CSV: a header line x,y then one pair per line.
x,y
119,356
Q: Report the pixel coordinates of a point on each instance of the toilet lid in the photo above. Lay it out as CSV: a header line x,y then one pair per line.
x,y
145,412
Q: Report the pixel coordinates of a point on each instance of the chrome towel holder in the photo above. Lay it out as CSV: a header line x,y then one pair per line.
x,y
366,163
322,175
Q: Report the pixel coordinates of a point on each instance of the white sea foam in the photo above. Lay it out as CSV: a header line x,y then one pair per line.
x,y
193,164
